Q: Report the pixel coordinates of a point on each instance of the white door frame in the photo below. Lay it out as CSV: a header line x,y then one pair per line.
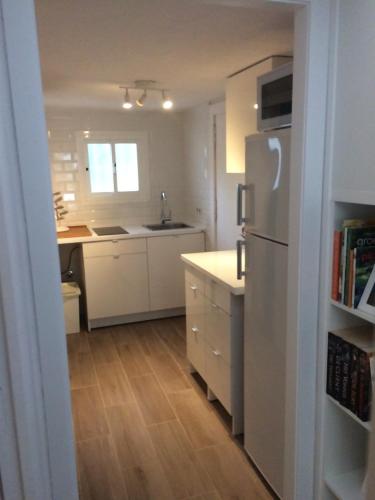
x,y
37,459
35,428
215,109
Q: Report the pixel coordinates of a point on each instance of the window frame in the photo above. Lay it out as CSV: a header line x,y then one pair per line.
x,y
83,138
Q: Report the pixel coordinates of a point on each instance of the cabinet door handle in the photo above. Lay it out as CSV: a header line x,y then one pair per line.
x,y
239,245
213,305
240,218
114,241
116,256
216,353
195,329
194,288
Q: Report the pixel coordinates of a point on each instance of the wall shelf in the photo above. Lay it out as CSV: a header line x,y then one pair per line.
x,y
365,425
354,196
347,486
356,312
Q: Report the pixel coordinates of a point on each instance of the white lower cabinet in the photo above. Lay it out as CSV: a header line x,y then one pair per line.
x,y
138,276
116,279
166,269
214,321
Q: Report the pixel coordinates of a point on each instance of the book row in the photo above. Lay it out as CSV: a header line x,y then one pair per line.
x,y
353,261
349,363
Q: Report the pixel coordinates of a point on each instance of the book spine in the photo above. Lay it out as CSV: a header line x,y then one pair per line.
x,y
335,294
354,379
343,264
331,352
346,356
364,387
349,295
337,378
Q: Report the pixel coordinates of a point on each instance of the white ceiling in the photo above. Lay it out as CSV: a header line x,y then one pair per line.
x,y
90,47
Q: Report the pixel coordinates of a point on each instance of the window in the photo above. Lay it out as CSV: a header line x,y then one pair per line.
x,y
114,166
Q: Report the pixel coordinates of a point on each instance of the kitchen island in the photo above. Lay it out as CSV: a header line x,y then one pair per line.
x,y
214,327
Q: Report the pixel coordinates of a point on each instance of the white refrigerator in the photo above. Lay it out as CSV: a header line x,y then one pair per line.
x,y
266,193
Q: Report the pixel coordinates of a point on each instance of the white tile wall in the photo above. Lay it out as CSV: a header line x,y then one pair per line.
x,y
166,153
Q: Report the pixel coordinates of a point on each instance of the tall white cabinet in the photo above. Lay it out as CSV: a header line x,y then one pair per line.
x,y
344,440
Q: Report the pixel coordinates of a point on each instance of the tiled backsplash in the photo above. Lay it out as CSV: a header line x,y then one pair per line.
x,y
166,153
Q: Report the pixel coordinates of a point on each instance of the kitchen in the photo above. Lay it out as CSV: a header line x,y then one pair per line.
x,y
120,247
150,420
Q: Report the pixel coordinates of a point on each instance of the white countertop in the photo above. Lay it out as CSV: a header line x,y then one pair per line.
x,y
134,232
220,266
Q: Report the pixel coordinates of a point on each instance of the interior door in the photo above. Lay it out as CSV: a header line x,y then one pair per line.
x,y
265,351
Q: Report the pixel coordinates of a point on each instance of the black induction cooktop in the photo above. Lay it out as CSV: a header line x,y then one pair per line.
x,y
109,230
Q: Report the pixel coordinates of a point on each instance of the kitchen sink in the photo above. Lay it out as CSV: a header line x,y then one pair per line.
x,y
109,230
167,225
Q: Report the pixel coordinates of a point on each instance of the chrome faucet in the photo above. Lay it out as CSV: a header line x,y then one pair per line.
x,y
165,212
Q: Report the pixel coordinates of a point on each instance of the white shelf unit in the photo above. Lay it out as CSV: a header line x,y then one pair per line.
x,y
344,438
347,486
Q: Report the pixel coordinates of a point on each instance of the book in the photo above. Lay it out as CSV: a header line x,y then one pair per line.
x,y
335,293
345,387
332,339
354,380
364,387
364,262
337,372
355,237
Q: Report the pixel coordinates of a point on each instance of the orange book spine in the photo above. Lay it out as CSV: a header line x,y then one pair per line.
x,y
336,265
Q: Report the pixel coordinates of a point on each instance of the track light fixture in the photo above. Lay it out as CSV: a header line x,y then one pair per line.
x,y
167,102
141,85
127,104
141,100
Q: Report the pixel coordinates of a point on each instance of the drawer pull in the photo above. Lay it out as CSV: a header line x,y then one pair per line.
x,y
194,288
116,256
216,353
195,329
213,305
114,241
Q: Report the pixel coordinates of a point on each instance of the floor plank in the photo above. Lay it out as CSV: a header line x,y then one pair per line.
x,y
175,343
113,384
202,426
102,347
148,482
168,373
148,338
133,358
130,436
207,496
100,474
88,413
81,367
231,474
184,473
153,403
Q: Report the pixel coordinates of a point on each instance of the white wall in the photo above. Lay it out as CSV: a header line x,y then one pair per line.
x,y
355,101
165,133
198,179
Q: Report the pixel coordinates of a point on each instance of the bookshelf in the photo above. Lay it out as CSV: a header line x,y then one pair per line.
x,y
344,437
355,312
347,486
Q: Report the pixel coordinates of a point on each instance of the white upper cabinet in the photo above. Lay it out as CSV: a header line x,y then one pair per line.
x,y
166,270
241,113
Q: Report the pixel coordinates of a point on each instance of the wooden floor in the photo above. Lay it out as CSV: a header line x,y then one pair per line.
x,y
143,426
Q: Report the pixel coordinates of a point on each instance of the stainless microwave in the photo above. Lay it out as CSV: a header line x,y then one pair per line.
x,y
274,97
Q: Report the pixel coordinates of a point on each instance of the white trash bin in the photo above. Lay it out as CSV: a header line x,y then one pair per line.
x,y
71,292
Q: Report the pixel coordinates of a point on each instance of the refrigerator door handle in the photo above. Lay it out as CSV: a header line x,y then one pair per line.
x,y
240,272
240,218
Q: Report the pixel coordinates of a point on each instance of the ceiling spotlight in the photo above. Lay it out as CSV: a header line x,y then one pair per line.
x,y
141,100
127,104
167,102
